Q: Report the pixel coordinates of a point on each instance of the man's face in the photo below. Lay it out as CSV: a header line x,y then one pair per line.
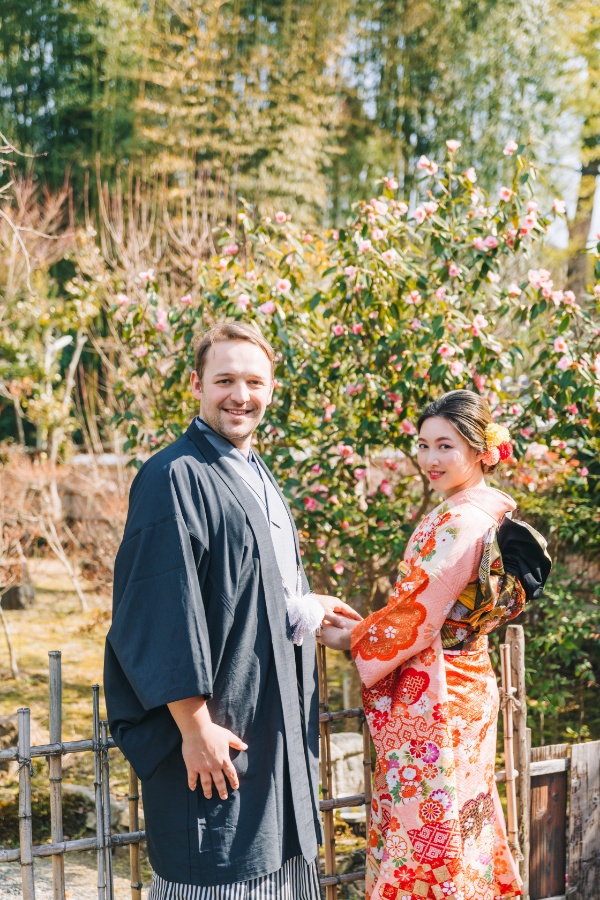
x,y
235,390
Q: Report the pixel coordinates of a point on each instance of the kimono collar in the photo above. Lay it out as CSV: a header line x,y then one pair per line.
x,y
492,501
246,467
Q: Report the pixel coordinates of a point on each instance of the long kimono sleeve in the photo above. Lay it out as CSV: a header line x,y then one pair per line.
x,y
443,558
159,633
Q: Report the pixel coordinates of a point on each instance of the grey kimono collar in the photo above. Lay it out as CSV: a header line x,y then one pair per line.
x,y
236,459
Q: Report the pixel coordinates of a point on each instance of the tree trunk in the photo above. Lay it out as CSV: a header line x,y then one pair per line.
x,y
580,262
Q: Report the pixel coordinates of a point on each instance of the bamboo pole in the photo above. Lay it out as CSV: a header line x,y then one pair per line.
x,y
327,775
25,824
98,795
515,638
509,760
106,810
366,734
55,767
134,825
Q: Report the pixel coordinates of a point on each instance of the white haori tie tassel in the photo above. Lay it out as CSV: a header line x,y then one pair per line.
x,y
304,611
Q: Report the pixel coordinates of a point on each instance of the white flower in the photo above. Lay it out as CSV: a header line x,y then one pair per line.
x,y
390,632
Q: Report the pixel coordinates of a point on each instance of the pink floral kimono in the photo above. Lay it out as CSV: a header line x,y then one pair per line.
x,y
437,828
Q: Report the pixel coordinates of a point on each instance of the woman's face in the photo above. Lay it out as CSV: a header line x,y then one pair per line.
x,y
448,460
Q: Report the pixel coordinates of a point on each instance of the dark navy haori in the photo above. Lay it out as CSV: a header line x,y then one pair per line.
x,y
199,610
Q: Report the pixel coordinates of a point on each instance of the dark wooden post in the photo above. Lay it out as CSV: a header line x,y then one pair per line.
x,y
55,767
134,826
584,822
547,862
25,826
515,638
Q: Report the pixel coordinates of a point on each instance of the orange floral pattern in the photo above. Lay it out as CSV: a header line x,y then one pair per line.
x,y
437,829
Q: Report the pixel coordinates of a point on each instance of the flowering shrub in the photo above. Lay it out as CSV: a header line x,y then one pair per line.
x,y
369,322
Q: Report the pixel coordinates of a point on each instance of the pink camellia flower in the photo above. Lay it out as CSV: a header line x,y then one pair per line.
x,y
391,184
338,330
329,411
320,542
569,297
531,206
352,389
538,277
186,299
480,321
122,299
402,208
310,504
427,165
440,293
559,206
505,194
413,297
280,217
584,472
379,206
491,242
377,234
510,148
338,568
419,215
407,427
316,468
597,290
333,500
446,351
345,525
364,246
453,270
471,175
231,249
252,275
350,271
415,325
560,345
371,218
572,408
335,234
268,308
478,243
223,263
430,207
563,363
479,381
493,277
307,237
161,320
456,368
344,450
243,301
357,328
452,145
596,364
283,285
359,474
140,351
514,290
147,277
390,256
386,488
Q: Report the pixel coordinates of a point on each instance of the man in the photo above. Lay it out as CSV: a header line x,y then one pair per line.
x,y
203,681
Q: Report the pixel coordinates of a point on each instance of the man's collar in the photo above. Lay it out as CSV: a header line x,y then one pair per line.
x,y
227,446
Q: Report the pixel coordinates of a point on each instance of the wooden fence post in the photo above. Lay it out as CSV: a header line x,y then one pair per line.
x,y
509,761
547,858
584,822
134,826
515,638
55,767
25,825
106,811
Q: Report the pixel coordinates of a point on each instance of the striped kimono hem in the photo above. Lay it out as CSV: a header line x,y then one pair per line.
x,y
295,880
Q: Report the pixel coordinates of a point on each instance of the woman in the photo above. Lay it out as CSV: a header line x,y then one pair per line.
x,y
437,828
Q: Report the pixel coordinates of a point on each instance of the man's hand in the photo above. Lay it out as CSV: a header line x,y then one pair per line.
x,y
205,747
336,611
337,637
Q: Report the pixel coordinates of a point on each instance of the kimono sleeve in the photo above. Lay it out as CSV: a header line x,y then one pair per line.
x,y
439,570
159,632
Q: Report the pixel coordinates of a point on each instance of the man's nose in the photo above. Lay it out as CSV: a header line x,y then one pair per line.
x,y
240,392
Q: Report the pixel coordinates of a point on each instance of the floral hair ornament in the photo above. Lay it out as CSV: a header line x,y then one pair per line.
x,y
498,445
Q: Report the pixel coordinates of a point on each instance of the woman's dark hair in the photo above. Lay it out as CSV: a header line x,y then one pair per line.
x,y
468,412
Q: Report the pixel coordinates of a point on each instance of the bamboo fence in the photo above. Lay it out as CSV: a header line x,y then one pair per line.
x,y
543,804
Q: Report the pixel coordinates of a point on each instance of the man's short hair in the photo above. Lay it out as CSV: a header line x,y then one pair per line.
x,y
229,331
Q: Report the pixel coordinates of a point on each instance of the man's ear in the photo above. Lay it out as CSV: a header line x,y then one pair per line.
x,y
196,385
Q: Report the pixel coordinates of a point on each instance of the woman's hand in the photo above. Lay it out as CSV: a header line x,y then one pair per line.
x,y
337,637
336,611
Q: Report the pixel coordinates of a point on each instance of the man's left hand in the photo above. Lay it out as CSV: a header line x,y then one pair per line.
x,y
336,611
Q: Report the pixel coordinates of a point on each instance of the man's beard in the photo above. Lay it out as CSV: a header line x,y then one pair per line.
x,y
229,432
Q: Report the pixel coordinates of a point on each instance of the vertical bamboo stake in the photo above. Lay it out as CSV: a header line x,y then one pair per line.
x,y
134,825
327,774
367,770
106,811
515,638
55,765
98,796
25,825
509,759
